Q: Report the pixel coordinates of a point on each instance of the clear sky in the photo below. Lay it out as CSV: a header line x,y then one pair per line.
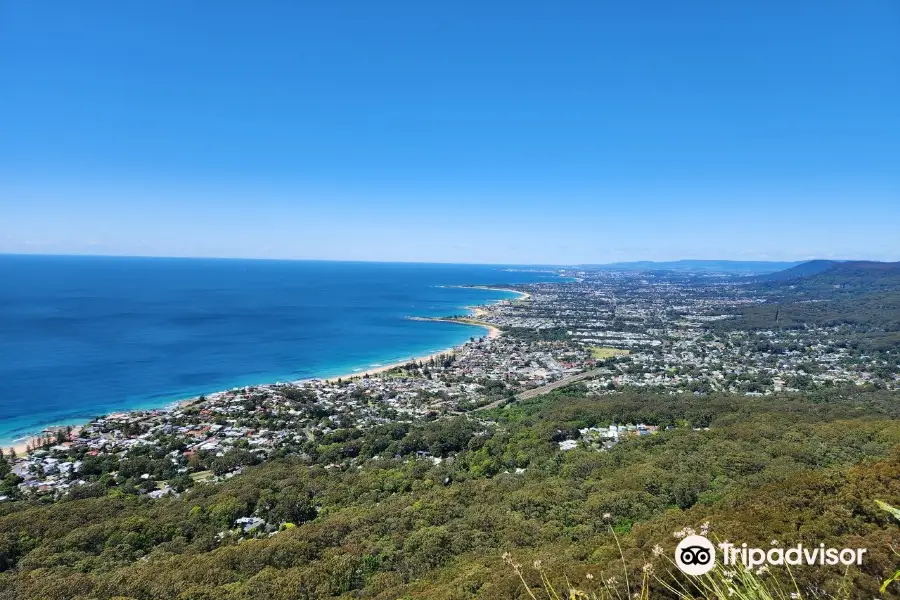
x,y
507,132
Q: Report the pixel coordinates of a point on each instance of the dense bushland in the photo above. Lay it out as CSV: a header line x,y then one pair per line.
x,y
386,520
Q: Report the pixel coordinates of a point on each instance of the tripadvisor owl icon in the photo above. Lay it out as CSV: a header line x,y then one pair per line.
x,y
695,555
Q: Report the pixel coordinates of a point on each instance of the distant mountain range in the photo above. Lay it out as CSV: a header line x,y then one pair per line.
x,y
864,295
732,267
849,274
806,269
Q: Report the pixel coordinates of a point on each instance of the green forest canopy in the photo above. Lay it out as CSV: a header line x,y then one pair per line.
x,y
793,467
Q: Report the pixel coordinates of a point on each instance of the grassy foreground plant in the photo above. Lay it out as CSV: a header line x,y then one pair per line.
x,y
739,583
896,514
718,584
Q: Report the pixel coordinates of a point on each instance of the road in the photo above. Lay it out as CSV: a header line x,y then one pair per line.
x,y
544,389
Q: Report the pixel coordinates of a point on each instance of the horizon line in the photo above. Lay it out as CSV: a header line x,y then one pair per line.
x,y
344,260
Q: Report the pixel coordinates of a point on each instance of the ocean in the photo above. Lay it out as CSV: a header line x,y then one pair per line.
x,y
85,336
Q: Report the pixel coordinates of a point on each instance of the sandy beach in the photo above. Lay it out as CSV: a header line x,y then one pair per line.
x,y
384,368
522,295
21,447
477,312
493,332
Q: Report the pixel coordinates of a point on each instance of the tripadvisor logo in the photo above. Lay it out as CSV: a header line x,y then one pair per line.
x,y
696,555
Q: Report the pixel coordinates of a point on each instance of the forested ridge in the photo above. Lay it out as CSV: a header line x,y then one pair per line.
x,y
862,296
427,510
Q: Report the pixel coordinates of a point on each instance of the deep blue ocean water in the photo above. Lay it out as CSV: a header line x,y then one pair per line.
x,y
84,336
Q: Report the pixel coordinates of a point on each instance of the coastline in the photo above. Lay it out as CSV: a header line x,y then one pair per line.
x,y
493,332
476,311
20,446
522,295
385,368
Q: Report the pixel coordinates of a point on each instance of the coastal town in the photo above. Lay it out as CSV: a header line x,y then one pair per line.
x,y
605,331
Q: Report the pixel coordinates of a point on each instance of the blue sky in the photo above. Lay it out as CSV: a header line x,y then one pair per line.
x,y
506,132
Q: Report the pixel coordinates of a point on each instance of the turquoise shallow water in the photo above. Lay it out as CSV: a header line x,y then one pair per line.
x,y
83,336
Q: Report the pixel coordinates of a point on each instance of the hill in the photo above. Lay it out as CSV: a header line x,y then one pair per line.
x,y
862,295
856,276
806,269
732,267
